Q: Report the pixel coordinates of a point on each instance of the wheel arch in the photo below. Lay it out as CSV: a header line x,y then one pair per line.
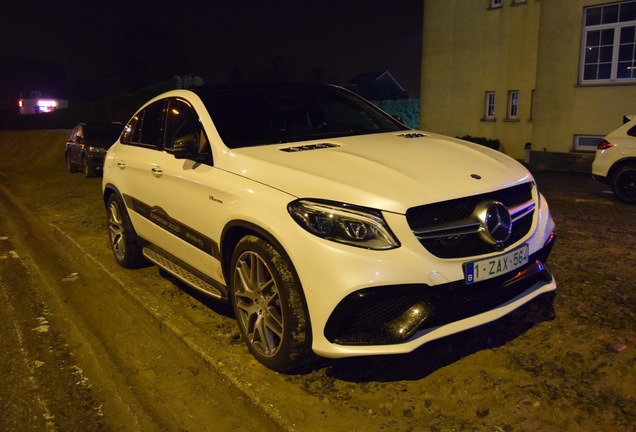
x,y
109,189
234,231
628,161
230,237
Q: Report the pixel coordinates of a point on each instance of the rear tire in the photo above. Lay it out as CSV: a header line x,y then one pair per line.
x,y
624,184
70,168
269,306
122,236
86,169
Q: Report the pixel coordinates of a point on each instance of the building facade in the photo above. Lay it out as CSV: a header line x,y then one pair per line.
x,y
551,75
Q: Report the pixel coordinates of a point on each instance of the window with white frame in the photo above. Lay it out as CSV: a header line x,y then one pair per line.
x,y
586,143
489,106
513,105
609,43
495,4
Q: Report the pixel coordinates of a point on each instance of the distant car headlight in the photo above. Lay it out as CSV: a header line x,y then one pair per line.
x,y
93,149
342,223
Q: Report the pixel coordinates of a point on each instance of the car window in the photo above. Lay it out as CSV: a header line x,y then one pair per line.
x,y
76,133
346,115
249,117
182,123
632,131
145,127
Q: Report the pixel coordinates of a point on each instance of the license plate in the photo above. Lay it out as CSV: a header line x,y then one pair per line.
x,y
488,268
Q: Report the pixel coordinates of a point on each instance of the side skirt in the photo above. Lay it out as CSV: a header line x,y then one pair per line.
x,y
186,275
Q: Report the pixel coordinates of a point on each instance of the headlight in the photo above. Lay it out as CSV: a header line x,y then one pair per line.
x,y
93,149
355,226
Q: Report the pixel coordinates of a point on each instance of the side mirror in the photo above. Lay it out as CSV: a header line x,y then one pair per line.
x,y
187,147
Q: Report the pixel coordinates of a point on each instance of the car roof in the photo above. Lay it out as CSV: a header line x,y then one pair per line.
x,y
101,124
213,89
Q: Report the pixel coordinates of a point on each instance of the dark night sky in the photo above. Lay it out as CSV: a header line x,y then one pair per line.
x,y
83,49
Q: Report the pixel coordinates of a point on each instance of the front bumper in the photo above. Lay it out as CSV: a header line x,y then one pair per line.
x,y
394,314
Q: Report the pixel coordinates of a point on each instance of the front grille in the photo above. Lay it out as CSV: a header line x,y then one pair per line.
x,y
440,217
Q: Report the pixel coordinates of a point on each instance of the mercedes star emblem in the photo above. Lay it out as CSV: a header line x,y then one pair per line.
x,y
495,223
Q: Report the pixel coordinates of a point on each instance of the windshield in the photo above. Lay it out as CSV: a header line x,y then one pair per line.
x,y
251,116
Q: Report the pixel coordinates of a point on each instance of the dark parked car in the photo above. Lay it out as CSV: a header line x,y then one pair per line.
x,y
87,145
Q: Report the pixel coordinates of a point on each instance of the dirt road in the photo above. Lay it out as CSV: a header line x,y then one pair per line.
x,y
567,365
81,354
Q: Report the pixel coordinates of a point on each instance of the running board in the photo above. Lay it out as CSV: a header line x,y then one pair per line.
x,y
182,274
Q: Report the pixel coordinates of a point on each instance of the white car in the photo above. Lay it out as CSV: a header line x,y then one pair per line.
x,y
615,161
332,228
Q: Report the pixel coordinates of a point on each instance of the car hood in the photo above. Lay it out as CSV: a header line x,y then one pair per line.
x,y
99,144
387,171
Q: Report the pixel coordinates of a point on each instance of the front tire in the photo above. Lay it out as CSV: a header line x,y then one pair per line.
x,y
269,306
624,184
121,235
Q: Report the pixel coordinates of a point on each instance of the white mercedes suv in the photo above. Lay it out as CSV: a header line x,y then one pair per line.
x,y
331,228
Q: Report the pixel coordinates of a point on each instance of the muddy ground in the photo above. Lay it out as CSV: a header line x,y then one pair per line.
x,y
567,364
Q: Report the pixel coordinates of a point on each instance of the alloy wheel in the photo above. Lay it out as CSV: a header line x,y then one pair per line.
x,y
258,304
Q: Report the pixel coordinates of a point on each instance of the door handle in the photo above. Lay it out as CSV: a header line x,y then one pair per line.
x,y
157,171
121,164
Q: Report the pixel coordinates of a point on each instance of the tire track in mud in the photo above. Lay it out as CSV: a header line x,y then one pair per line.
x,y
144,377
42,388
